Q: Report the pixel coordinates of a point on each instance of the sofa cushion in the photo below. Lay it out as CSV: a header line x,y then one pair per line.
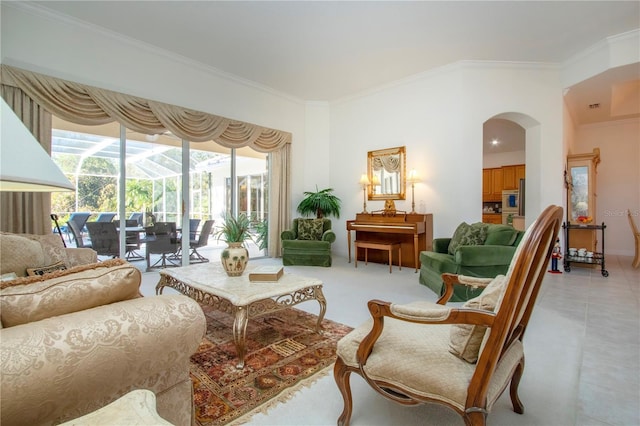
x,y
309,229
468,235
465,339
501,235
34,298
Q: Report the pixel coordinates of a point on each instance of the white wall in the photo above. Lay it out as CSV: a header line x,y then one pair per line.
x,y
617,179
439,117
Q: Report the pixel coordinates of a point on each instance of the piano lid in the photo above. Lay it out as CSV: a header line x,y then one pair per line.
x,y
380,217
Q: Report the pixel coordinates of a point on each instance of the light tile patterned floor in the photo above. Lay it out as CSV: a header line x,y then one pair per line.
x,y
582,349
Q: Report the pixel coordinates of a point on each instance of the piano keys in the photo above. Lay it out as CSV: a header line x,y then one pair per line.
x,y
413,231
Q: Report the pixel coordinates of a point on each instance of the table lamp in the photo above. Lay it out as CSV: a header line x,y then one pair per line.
x,y
364,181
413,178
24,164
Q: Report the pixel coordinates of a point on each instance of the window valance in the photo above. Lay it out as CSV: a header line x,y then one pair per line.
x,y
90,105
390,163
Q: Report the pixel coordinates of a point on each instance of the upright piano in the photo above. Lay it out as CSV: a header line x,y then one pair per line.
x,y
414,232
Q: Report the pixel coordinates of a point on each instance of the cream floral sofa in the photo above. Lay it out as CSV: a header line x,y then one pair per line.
x,y
73,341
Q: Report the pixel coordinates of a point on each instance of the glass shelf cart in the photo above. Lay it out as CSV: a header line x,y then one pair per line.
x,y
596,259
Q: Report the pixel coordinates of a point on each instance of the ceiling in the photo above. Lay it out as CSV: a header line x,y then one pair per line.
x,y
326,51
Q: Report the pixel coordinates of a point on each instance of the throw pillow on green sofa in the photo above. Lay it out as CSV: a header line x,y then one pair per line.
x,y
309,229
502,236
468,235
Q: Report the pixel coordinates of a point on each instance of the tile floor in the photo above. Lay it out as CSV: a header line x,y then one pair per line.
x,y
582,349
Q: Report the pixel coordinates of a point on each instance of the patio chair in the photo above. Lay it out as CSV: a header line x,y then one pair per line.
x,y
80,220
133,241
460,357
105,217
193,228
201,241
162,239
137,217
104,238
76,233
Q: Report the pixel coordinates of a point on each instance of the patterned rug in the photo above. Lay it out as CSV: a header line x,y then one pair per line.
x,y
284,353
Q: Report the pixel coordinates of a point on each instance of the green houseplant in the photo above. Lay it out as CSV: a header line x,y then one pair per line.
x,y
235,231
321,203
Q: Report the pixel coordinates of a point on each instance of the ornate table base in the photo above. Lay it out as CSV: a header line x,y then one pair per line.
x,y
247,305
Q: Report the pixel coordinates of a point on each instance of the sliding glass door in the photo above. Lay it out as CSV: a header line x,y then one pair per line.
x,y
220,179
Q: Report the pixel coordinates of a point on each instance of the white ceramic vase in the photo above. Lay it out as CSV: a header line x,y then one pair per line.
x,y
234,259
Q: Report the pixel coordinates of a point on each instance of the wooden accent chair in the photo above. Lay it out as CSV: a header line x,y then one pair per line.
x,y
636,238
406,352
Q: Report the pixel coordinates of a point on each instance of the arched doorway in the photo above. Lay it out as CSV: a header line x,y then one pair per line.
x,y
506,167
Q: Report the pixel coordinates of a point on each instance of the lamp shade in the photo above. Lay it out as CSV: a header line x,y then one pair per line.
x,y
413,176
24,165
364,180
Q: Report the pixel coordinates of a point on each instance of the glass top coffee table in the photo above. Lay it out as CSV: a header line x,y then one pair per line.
x,y
209,284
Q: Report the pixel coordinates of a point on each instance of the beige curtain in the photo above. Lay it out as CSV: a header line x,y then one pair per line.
x,y
279,198
27,212
90,105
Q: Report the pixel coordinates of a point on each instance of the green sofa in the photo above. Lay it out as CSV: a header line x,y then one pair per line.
x,y
308,242
486,259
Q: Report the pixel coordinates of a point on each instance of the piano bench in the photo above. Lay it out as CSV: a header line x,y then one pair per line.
x,y
380,245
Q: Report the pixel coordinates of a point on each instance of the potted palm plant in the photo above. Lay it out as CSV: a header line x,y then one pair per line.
x,y
235,231
321,203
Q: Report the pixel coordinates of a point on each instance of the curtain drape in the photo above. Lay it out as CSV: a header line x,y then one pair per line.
x,y
279,198
27,212
90,105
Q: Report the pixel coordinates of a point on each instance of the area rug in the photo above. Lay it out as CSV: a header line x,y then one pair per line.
x,y
284,354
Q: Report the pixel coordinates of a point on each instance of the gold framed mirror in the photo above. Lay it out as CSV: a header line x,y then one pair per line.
x,y
386,170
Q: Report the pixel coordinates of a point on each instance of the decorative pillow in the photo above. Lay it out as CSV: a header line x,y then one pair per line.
x,y
52,247
465,339
95,285
18,253
62,272
501,237
468,235
309,229
41,270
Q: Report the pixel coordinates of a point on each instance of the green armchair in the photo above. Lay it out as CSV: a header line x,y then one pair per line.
x,y
308,242
486,254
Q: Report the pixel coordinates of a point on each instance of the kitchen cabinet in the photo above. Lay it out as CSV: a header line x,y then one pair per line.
x,y
492,218
511,176
492,184
520,172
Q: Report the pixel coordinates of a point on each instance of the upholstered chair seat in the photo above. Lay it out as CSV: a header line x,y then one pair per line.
x,y
447,376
